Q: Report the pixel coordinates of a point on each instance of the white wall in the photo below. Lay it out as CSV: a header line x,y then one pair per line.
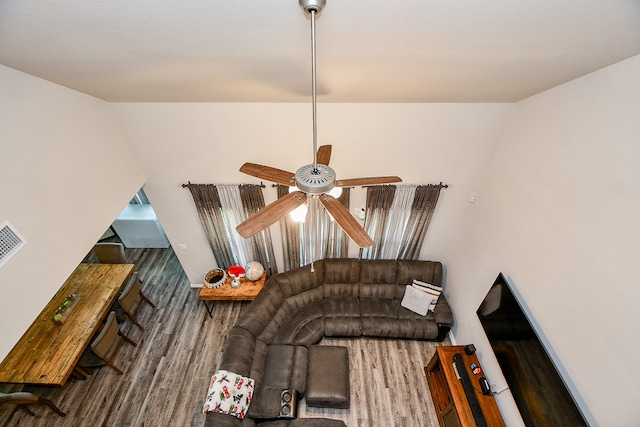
x,y
207,143
65,174
558,213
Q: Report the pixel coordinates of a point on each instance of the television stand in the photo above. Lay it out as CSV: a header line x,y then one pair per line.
x,y
449,398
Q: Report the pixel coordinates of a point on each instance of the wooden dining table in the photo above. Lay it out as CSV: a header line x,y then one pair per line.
x,y
48,351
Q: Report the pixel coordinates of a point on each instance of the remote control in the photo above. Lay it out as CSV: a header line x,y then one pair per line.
x,y
484,385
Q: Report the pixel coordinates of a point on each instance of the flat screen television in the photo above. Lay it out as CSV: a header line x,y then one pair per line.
x,y
536,386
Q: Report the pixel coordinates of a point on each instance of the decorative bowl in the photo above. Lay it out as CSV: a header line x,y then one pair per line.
x,y
215,278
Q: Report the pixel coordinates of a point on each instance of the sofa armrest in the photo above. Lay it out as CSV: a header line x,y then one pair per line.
x,y
239,352
442,313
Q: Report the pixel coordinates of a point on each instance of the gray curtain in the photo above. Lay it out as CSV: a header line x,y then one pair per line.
x,y
424,204
337,241
217,228
379,199
253,201
207,201
295,237
290,232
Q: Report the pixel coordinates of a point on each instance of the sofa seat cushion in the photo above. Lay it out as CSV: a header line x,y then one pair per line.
x,y
379,307
286,367
379,317
415,326
342,317
266,403
328,377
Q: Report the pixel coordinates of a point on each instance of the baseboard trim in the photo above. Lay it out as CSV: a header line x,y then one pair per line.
x,y
196,285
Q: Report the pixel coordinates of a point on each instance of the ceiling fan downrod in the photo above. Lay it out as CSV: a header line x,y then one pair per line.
x,y
314,178
313,8
313,89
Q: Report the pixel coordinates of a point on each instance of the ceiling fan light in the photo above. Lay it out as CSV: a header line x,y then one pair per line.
x,y
294,188
299,213
335,192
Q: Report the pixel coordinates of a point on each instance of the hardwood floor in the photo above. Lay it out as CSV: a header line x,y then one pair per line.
x,y
166,376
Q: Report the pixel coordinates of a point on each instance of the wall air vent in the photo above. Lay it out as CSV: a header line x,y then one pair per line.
x,y
10,242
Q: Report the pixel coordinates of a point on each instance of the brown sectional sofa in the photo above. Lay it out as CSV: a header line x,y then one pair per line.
x,y
335,298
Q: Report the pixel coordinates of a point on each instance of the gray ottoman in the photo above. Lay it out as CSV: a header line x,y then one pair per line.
x,y
328,377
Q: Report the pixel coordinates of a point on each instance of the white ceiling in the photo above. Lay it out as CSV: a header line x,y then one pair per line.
x,y
368,51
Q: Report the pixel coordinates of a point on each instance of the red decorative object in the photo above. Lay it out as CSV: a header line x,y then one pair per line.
x,y
236,270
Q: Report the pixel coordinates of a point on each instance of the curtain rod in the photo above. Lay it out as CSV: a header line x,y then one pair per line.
x,y
189,183
417,185
364,186
276,185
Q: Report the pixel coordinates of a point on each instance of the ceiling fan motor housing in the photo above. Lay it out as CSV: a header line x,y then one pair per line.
x,y
309,5
315,180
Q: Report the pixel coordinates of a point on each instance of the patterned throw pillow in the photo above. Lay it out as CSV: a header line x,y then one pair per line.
x,y
229,393
432,290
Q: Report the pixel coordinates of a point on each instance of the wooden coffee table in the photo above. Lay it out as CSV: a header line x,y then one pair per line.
x,y
247,291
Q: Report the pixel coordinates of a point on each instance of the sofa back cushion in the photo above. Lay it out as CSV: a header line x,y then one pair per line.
x,y
301,279
262,310
378,279
302,327
425,271
288,309
341,277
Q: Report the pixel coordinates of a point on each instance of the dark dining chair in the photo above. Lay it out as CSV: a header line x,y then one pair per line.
x,y
104,348
131,300
23,398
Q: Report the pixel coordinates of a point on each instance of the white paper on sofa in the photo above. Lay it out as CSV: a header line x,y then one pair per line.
x,y
416,300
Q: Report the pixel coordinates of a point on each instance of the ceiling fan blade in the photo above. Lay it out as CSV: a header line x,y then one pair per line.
x,y
269,174
270,214
348,223
324,155
356,182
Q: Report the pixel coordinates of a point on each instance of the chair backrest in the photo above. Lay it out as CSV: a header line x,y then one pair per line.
x,y
103,343
110,253
128,297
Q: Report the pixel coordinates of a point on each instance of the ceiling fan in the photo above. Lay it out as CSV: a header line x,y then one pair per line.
x,y
313,180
